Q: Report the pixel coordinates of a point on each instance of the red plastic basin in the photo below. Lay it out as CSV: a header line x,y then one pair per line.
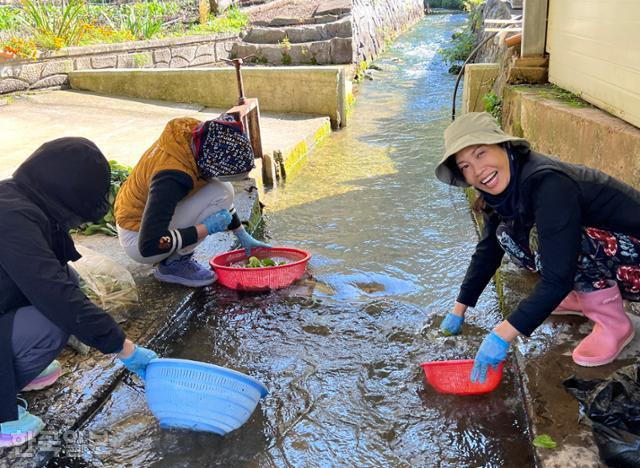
x,y
260,279
455,377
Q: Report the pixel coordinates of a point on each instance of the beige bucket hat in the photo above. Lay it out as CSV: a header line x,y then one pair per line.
x,y
472,128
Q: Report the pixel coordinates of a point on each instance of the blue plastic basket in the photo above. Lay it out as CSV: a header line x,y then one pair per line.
x,y
198,396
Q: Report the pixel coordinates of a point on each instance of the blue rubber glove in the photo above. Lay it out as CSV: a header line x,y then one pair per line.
x,y
218,221
139,360
451,324
492,352
247,242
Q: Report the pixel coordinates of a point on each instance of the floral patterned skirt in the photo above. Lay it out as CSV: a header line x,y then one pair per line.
x,y
603,256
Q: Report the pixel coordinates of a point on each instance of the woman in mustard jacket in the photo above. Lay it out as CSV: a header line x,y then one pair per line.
x,y
178,193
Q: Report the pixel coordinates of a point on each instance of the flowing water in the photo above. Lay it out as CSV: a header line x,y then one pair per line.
x,y
340,351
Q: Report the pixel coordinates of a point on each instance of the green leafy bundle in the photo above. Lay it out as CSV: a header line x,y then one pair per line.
x,y
107,225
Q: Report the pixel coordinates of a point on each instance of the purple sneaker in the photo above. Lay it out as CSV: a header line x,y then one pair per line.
x,y
185,271
22,430
46,378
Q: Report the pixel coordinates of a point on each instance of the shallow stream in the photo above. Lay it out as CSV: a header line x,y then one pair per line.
x,y
340,351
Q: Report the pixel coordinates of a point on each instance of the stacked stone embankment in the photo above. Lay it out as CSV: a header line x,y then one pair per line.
x,y
338,32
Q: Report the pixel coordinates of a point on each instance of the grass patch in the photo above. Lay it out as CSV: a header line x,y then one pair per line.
x,y
233,21
567,97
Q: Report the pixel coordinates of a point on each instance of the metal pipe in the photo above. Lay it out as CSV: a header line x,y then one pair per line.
x,y
238,63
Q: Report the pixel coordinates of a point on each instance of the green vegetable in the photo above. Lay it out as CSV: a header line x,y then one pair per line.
x,y
544,441
255,262
106,225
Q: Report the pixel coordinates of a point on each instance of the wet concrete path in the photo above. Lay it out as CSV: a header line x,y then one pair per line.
x,y
340,351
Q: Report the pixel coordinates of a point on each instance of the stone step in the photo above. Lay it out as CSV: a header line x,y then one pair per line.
x,y
333,51
300,34
333,7
282,21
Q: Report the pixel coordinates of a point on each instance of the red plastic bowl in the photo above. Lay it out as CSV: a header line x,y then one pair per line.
x,y
455,377
260,279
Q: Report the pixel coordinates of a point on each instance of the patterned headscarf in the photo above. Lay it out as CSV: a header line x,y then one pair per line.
x,y
222,148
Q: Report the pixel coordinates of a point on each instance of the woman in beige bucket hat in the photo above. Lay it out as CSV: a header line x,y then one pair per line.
x,y
576,226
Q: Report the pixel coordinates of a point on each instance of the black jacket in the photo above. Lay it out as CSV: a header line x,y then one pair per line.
x,y
560,199
62,184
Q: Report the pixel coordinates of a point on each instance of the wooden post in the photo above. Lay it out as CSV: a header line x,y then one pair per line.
x,y
534,28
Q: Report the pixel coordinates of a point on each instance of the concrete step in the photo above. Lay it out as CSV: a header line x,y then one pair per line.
x,y
333,51
532,62
299,34
529,75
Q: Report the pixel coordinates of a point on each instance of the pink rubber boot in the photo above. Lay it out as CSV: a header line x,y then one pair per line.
x,y
612,330
570,305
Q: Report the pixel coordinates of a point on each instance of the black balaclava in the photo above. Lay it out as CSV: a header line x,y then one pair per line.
x,y
69,179
505,203
222,148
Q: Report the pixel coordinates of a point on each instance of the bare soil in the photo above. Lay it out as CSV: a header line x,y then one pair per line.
x,y
290,9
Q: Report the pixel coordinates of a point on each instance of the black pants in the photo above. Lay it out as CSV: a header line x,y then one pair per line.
x,y
36,342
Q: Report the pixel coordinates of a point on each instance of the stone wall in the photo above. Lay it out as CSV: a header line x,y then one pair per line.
x,y
578,134
51,69
375,21
491,9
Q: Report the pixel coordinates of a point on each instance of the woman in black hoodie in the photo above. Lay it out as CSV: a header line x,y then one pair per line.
x,y
61,185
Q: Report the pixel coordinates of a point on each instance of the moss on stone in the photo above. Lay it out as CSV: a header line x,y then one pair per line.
x,y
295,156
553,92
350,103
141,60
323,132
361,68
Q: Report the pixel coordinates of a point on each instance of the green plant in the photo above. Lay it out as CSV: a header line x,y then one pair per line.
x,y
143,24
104,34
106,225
493,105
362,67
9,18
285,44
461,46
233,21
471,5
19,47
57,23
